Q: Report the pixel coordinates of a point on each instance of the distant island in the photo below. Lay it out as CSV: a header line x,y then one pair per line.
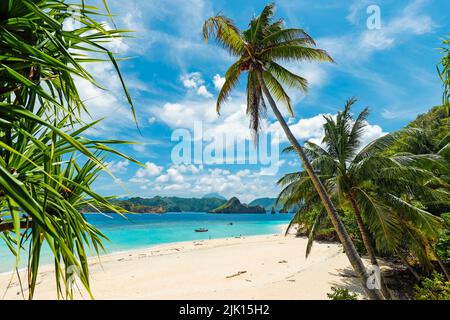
x,y
160,204
270,204
267,203
212,203
235,206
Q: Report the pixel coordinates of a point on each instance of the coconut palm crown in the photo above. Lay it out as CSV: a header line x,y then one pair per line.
x,y
263,48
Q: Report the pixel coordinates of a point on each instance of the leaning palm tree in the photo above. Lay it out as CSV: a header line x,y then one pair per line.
x,y
46,165
375,187
260,51
443,69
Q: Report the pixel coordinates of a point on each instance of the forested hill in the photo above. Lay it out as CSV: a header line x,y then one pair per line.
x,y
160,204
435,119
235,206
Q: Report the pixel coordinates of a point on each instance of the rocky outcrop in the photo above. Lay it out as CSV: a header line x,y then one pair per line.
x,y
235,206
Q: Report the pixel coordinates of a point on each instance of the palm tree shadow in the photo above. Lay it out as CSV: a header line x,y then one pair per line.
x,y
347,280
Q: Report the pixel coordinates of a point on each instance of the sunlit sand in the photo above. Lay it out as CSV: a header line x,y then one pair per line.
x,y
257,267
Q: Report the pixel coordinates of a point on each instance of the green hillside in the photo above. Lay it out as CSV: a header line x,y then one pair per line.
x,y
235,206
165,204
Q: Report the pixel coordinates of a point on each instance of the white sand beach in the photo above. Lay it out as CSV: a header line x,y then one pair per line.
x,y
257,267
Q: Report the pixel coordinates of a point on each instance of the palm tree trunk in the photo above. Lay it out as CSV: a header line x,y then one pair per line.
x,y
368,245
347,243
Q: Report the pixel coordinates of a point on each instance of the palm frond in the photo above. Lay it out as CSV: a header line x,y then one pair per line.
x,y
285,76
46,166
225,32
231,80
256,107
291,35
277,91
289,53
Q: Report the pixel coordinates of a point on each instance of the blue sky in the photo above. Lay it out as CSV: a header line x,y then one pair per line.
x,y
174,79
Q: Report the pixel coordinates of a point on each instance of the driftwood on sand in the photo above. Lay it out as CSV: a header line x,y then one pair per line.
x,y
236,274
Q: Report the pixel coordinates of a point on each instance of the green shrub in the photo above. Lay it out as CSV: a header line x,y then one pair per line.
x,y
442,246
434,288
341,294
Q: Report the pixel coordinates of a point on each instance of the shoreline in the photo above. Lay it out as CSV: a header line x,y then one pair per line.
x,y
282,228
254,267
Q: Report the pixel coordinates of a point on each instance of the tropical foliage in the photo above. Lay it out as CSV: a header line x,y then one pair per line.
x,y
442,245
164,204
394,187
367,182
444,73
433,288
341,294
47,164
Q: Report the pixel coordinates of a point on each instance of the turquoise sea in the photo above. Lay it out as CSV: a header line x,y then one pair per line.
x,y
146,230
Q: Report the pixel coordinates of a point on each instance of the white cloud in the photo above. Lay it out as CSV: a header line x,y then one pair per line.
x,y
371,132
188,168
246,184
143,174
110,103
313,72
354,11
376,40
195,83
243,184
218,81
202,91
410,21
139,148
311,129
159,28
232,120
190,109
179,179
118,166
172,175
192,80
399,113
304,129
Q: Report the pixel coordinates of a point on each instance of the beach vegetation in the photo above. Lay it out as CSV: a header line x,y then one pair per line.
x,y
47,161
341,294
443,69
435,287
388,193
